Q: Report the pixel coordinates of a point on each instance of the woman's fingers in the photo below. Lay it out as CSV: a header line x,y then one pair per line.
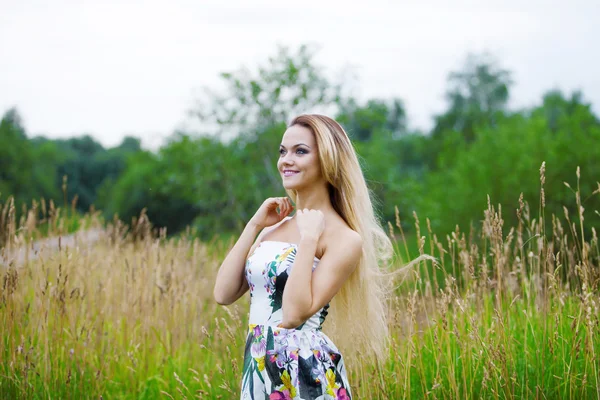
x,y
282,206
285,207
288,206
274,203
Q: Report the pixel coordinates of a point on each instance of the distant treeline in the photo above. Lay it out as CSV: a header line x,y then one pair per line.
x,y
214,180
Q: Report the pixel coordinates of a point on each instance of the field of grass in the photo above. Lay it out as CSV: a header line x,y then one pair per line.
x,y
508,313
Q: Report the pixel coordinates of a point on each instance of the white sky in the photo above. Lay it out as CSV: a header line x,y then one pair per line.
x,y
111,68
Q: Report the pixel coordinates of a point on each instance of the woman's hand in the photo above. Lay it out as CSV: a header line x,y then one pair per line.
x,y
311,223
268,214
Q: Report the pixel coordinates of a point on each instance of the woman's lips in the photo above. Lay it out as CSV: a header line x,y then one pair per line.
x,y
288,172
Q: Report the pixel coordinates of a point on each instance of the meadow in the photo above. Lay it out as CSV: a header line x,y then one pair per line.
x,y
508,312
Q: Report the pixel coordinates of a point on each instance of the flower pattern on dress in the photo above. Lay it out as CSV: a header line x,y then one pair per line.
x,y
279,363
249,279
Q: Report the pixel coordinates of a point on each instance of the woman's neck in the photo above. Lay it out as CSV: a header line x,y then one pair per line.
x,y
316,198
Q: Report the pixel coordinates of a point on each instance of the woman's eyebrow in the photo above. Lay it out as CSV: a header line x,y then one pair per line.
x,y
296,145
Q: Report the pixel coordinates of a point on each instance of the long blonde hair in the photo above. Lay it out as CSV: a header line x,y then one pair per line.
x,y
358,314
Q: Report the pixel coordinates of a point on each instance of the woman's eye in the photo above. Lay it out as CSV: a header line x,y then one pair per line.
x,y
298,151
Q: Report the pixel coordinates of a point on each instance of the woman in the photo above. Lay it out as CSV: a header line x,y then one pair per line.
x,y
328,252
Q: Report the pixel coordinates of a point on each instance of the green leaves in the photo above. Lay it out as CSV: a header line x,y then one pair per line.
x,y
27,168
477,95
503,161
253,101
214,180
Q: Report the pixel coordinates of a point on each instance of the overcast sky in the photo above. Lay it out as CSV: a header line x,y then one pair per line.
x,y
111,68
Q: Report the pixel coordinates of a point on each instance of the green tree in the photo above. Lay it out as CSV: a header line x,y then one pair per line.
x,y
477,95
376,115
87,165
290,83
503,162
15,157
26,170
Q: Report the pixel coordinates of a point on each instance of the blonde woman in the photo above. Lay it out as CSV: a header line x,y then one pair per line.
x,y
325,259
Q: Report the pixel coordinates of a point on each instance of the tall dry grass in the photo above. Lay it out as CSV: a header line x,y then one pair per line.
x,y
509,312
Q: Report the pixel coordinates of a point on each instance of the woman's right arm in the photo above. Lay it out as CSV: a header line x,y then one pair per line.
x,y
231,282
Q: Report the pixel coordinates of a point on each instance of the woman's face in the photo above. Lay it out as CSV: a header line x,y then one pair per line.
x,y
298,162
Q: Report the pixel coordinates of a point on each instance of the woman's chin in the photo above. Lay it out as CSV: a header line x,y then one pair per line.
x,y
290,185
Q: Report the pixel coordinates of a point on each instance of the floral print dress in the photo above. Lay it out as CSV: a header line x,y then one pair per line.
x,y
286,364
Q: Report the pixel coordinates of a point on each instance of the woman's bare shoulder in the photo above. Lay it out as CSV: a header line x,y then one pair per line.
x,y
339,233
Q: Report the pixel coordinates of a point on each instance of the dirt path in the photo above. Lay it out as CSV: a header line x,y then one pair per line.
x,y
46,246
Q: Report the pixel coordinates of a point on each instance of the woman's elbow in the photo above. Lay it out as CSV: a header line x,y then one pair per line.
x,y
292,321
223,302
289,325
220,299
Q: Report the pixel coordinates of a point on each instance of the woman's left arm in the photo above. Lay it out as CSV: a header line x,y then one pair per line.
x,y
306,292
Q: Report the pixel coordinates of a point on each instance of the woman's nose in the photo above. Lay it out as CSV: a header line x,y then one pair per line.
x,y
287,159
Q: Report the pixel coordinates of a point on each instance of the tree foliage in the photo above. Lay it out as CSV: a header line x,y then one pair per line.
x,y
477,95
215,180
289,83
24,165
